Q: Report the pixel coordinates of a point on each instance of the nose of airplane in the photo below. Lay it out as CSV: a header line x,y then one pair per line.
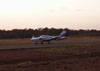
x,y
31,39
34,39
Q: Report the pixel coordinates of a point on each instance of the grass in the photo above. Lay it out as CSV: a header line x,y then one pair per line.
x,y
14,41
28,41
60,65
56,49
81,39
65,48
69,63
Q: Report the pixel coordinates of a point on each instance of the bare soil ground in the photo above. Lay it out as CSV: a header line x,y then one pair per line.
x,y
70,58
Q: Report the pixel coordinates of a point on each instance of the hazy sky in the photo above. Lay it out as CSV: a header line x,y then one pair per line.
x,y
73,14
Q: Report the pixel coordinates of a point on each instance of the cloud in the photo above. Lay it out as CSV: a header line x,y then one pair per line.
x,y
63,8
78,10
60,8
52,10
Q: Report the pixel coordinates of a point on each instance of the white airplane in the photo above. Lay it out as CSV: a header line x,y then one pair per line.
x,y
48,38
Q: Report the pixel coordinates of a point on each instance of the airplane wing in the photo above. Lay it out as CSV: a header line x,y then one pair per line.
x,y
53,38
57,38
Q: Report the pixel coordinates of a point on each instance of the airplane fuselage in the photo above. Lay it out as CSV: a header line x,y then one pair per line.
x,y
48,38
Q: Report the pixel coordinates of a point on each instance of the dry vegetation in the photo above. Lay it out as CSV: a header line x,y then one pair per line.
x,y
81,39
15,41
69,40
70,58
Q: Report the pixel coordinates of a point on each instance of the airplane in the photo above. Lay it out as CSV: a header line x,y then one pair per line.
x,y
48,38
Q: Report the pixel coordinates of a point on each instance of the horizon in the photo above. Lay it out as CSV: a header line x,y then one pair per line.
x,y
71,14
48,28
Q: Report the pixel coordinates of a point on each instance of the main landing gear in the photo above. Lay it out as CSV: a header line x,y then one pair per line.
x,y
43,43
48,42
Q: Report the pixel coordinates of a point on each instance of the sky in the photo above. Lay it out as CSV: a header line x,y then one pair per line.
x,y
72,14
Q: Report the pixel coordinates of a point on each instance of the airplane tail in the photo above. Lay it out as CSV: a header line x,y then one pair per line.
x,y
62,34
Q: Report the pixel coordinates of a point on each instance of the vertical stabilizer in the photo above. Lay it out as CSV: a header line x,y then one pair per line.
x,y
63,33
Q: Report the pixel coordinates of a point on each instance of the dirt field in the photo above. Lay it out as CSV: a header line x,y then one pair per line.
x,y
70,58
69,40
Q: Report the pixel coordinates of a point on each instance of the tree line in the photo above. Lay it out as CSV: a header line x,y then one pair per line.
x,y
28,33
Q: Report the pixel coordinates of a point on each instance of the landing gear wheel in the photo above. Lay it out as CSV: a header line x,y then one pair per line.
x,y
48,42
41,42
